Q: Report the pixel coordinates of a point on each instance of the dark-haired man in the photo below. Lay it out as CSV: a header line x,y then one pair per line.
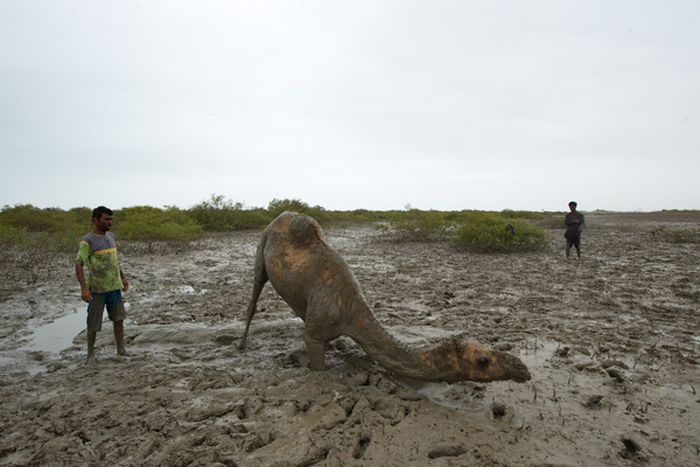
x,y
98,250
574,222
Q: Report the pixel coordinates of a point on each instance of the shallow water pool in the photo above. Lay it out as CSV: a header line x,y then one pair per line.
x,y
59,334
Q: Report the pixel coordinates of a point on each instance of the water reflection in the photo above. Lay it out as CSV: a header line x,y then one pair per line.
x,y
59,334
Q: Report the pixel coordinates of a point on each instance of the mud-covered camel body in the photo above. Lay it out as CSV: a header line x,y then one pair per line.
x,y
319,286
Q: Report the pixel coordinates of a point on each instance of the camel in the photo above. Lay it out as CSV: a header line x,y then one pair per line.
x,y
317,283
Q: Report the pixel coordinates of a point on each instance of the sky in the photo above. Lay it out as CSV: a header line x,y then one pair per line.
x,y
450,105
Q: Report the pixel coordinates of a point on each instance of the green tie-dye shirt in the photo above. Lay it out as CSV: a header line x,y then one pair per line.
x,y
99,253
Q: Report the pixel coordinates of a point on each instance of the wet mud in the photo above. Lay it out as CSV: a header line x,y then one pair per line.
x,y
612,343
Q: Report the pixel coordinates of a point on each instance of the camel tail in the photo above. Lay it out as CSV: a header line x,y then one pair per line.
x,y
258,284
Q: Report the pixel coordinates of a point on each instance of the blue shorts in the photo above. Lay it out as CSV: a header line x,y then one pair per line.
x,y
95,310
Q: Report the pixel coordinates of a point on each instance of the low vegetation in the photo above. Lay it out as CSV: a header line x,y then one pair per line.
x,y
218,214
417,226
663,234
492,233
41,229
30,228
147,223
475,231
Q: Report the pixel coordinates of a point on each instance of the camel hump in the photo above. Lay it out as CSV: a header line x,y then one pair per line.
x,y
302,228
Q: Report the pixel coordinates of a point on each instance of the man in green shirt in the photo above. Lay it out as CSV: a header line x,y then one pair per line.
x,y
98,250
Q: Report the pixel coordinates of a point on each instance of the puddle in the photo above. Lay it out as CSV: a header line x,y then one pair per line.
x,y
5,361
59,334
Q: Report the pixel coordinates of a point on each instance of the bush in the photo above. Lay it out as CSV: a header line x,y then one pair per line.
x,y
35,219
278,206
153,224
48,229
496,234
551,221
219,215
25,252
417,225
677,236
11,235
29,227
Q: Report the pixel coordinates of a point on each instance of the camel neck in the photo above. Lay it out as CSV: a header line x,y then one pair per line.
x,y
387,350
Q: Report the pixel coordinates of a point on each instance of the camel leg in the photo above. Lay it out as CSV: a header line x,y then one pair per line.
x,y
315,350
252,307
258,284
319,327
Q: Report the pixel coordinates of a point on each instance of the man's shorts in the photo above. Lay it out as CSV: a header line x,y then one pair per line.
x,y
573,238
95,311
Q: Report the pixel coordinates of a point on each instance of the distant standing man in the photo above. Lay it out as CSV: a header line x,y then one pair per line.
x,y
98,250
574,225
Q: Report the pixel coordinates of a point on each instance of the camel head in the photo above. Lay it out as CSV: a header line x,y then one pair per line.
x,y
460,360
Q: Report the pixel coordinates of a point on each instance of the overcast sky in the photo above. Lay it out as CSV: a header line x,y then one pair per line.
x,y
364,104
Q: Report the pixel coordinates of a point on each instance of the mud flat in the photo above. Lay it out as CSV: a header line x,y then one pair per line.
x,y
612,342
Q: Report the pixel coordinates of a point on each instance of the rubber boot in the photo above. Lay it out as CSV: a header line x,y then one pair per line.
x,y
91,338
119,337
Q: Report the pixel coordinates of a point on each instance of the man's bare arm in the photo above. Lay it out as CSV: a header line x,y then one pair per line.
x,y
124,280
84,291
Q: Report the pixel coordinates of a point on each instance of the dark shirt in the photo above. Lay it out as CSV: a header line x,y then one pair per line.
x,y
574,223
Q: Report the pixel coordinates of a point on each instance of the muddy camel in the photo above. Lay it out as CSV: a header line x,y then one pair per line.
x,y
319,286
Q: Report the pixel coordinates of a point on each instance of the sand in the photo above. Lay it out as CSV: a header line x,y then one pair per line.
x,y
612,342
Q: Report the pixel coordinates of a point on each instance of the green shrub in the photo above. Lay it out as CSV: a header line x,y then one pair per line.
x,y
676,235
11,235
544,219
417,225
490,233
25,216
30,227
68,240
49,229
551,221
278,206
153,224
220,215
357,216
35,219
